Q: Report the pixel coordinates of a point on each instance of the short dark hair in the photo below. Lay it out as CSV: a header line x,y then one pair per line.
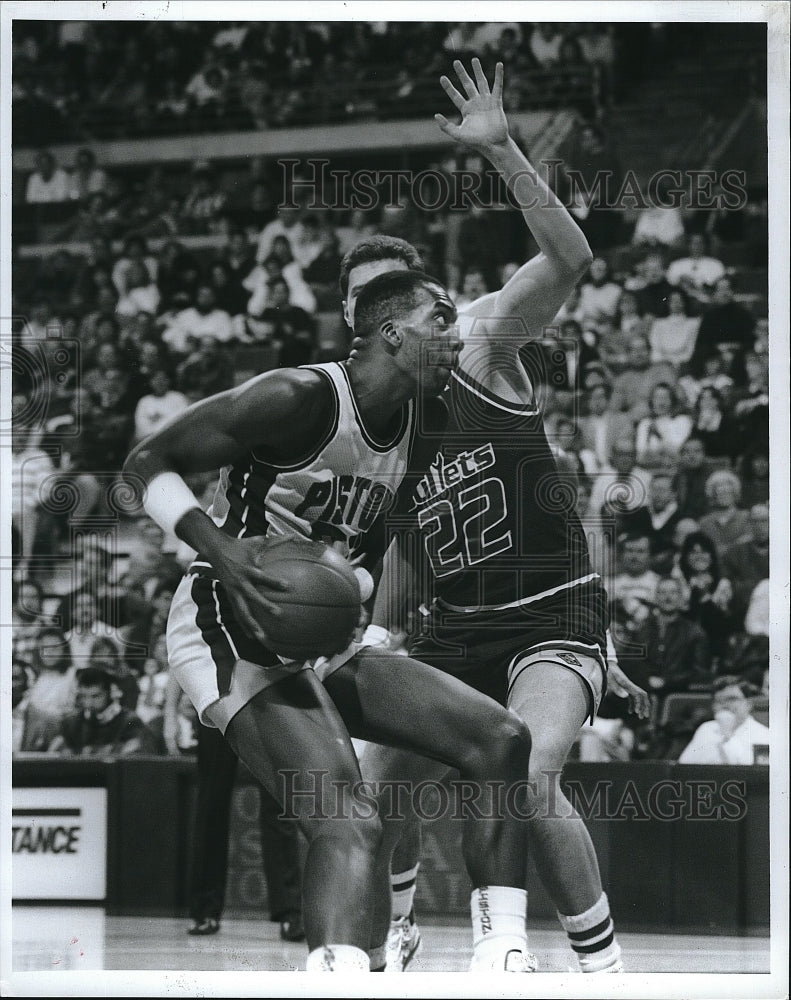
x,y
385,292
748,689
378,248
95,677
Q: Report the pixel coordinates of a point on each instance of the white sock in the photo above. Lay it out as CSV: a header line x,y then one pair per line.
x,y
592,937
499,924
337,958
403,884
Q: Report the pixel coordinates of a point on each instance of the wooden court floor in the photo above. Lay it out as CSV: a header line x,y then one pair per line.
x,y
61,941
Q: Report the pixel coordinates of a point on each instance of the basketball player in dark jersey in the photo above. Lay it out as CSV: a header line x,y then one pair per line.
x,y
287,442
515,608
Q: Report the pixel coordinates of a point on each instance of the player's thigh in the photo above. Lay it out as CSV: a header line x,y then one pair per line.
x,y
391,699
553,702
293,739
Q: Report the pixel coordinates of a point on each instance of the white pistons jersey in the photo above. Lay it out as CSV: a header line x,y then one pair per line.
x,y
336,492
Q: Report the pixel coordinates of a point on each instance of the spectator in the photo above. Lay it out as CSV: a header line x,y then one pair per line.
x,y
750,406
571,308
178,275
26,618
660,434
52,691
725,326
140,293
31,484
322,272
673,337
150,565
161,404
709,594
633,593
135,251
694,469
204,202
291,329
360,227
203,321
106,358
238,255
725,521
258,282
755,475
153,685
289,223
48,183
601,427
205,371
633,387
599,294
745,562
710,424
594,156
106,655
32,730
733,736
619,489
228,289
86,627
86,178
628,318
675,654
696,274
660,224
473,286
100,726
663,519
651,286
544,45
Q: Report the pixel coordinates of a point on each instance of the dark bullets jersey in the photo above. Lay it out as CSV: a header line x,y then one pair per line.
x,y
496,523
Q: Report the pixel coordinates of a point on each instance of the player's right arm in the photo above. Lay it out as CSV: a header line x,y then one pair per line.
x,y
282,412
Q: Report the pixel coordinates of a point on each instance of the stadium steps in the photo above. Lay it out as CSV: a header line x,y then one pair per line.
x,y
686,107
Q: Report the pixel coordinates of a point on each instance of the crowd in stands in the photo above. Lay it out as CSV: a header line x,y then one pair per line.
x,y
87,80
654,378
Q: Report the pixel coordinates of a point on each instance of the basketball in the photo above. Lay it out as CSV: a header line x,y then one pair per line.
x,y
322,607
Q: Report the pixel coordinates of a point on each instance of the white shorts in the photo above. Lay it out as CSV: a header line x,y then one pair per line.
x,y
216,664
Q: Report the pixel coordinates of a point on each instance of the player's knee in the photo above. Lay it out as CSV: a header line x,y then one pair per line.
x,y
364,835
508,746
546,766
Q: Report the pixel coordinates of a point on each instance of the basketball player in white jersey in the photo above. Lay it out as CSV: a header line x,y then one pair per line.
x,y
300,449
553,694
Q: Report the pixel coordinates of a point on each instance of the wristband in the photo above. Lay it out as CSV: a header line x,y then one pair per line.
x,y
167,499
375,635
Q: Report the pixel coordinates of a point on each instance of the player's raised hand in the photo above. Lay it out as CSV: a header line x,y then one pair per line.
x,y
619,684
483,124
250,588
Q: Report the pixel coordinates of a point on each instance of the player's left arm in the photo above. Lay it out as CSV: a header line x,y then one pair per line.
x,y
535,293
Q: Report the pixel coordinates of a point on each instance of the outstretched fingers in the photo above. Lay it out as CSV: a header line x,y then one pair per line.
x,y
452,93
480,77
466,80
497,87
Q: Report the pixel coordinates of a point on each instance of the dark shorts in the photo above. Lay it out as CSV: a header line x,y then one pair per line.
x,y
491,651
